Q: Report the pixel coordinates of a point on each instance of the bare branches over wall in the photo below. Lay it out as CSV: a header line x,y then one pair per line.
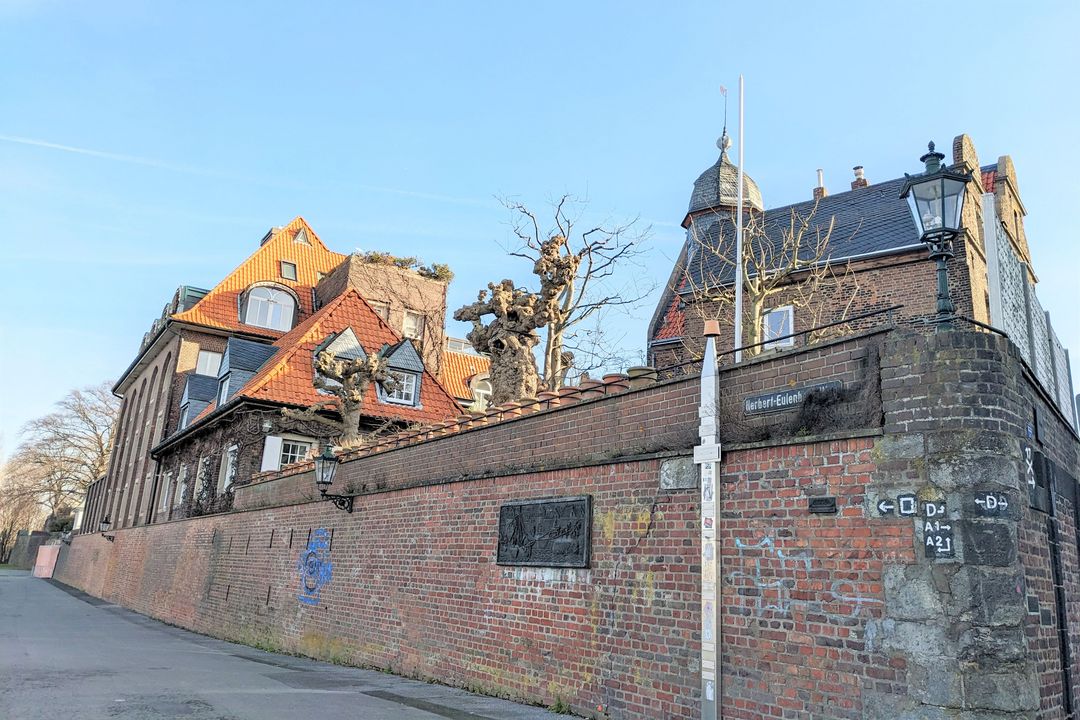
x,y
63,452
578,267
787,264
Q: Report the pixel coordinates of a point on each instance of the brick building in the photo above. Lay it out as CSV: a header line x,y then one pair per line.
x,y
876,261
210,343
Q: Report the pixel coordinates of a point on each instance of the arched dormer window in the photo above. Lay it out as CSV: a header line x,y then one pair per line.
x,y
270,307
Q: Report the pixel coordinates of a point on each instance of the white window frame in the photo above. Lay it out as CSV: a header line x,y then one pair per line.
x,y
269,307
481,397
223,390
227,470
181,486
407,390
185,409
786,311
298,458
166,488
200,475
419,320
208,358
284,264
381,308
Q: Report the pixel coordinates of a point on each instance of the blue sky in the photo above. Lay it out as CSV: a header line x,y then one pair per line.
x,y
144,145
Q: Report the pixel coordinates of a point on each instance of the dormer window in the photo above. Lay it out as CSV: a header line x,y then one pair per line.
x,y
269,307
223,390
405,391
185,412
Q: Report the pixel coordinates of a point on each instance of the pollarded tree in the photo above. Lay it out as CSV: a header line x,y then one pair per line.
x,y
577,273
346,381
509,337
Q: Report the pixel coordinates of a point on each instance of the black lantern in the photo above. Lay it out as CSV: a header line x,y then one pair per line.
x,y
936,198
326,466
103,527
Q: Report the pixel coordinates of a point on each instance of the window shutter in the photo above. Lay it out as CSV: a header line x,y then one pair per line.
x,y
271,458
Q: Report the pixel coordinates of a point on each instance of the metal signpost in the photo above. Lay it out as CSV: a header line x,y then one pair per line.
x,y
707,455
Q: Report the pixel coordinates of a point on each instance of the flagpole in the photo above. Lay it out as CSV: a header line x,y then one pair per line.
x,y
739,237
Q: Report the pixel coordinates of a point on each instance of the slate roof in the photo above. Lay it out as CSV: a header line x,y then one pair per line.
x,y
867,220
718,186
459,368
287,377
201,388
220,306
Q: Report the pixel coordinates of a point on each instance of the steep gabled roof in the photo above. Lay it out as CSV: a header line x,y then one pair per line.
x,y
459,368
296,243
287,377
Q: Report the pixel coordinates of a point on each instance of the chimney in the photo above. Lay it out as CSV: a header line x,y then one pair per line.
x,y
860,180
820,191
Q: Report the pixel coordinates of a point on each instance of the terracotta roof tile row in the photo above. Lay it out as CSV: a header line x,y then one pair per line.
x,y
613,384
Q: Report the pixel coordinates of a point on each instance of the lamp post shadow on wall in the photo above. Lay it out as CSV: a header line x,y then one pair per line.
x,y
936,198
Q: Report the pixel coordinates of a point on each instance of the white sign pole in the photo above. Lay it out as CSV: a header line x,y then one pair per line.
x,y
707,455
739,237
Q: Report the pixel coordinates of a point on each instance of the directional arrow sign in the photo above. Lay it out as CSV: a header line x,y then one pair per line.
x,y
886,507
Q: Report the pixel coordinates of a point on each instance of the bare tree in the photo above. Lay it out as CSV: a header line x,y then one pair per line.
x,y
576,269
18,511
63,452
345,380
790,263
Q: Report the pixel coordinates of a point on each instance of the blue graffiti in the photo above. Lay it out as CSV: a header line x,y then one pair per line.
x,y
314,567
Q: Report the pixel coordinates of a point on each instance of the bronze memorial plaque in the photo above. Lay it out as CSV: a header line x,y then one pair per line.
x,y
548,532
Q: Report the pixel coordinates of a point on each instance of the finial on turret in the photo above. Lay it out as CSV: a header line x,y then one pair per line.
x,y
724,142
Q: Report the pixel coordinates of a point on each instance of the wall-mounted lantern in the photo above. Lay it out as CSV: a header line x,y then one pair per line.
x,y
103,527
326,466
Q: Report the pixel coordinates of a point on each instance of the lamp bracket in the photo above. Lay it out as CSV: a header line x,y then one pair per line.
x,y
342,502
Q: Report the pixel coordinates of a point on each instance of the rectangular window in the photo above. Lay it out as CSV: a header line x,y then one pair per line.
x,y
288,270
184,417
181,486
209,363
293,451
405,392
777,323
382,309
223,390
166,488
201,476
227,471
413,327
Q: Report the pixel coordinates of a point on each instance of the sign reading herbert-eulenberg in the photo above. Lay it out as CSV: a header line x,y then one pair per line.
x,y
785,399
549,532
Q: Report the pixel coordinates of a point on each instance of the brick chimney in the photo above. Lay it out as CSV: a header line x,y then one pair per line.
x,y
820,191
860,180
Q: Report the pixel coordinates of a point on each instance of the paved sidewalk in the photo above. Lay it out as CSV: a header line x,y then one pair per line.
x,y
66,654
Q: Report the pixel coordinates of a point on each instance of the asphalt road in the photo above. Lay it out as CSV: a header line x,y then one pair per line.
x,y
68,655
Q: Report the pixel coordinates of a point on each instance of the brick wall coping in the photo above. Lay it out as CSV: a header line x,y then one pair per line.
x,y
572,396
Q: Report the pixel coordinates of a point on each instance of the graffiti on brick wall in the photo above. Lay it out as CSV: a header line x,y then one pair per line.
x,y
773,582
314,567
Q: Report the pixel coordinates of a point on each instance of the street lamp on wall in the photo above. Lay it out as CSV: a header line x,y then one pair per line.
x,y
936,198
326,466
103,527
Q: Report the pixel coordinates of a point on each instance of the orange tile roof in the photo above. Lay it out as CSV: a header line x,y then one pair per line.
x,y
220,307
989,179
287,376
674,323
458,368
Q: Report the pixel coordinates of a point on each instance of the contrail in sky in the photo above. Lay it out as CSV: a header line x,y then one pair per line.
x,y
150,162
